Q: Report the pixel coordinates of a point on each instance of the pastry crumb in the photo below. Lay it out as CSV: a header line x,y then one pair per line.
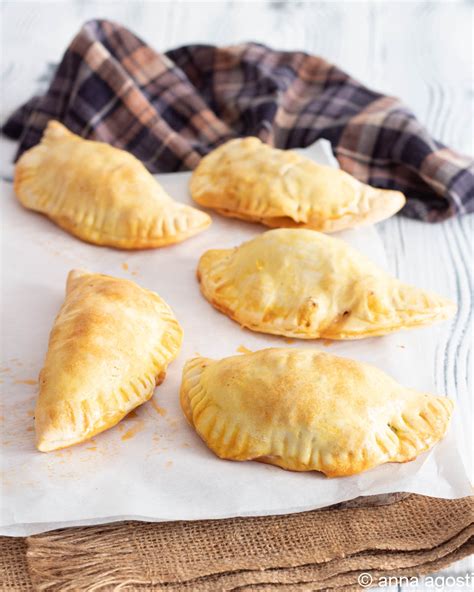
x,y
133,431
160,410
244,350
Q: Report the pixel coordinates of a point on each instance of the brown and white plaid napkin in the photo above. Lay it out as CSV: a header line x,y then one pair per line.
x,y
171,109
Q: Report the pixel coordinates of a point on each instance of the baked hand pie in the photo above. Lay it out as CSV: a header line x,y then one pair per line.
x,y
301,283
101,194
305,410
109,347
248,179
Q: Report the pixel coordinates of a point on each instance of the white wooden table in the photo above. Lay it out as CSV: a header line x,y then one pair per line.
x,y
419,51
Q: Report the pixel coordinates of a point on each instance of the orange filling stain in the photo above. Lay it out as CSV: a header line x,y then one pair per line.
x,y
328,342
160,410
125,266
132,414
30,429
134,272
91,445
133,431
173,423
30,413
4,369
30,381
289,340
244,350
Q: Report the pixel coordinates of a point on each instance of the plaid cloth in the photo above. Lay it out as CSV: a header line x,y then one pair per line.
x,y
171,109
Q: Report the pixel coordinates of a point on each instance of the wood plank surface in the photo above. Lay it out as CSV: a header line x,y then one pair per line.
x,y
419,51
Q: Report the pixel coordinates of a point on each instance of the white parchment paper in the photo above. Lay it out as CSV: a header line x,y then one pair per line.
x,y
152,466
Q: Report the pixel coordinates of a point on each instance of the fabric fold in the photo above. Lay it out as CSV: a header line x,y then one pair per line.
x,y
323,549
170,109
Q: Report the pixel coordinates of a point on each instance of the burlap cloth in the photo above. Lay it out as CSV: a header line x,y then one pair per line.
x,y
318,550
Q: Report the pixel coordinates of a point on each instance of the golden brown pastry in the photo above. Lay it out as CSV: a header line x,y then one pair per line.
x,y
109,347
301,283
101,194
248,179
305,410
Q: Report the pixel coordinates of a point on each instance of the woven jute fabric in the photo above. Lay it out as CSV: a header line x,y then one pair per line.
x,y
14,573
319,550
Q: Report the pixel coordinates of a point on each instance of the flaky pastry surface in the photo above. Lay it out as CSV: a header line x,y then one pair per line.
x,y
109,347
305,410
101,194
245,178
305,284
